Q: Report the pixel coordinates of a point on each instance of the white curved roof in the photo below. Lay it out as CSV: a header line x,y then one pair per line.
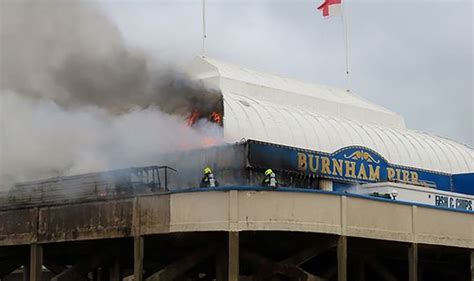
x,y
289,112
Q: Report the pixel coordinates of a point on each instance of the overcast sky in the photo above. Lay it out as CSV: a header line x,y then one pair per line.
x,y
413,57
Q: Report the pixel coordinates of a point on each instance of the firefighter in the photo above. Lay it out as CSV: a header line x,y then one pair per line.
x,y
270,179
393,194
208,179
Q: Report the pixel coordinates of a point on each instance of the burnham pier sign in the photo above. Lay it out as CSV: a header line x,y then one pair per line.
x,y
350,164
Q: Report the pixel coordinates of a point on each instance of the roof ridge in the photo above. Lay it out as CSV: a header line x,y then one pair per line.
x,y
332,91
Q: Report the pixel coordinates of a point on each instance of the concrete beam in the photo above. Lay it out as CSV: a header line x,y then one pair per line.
x,y
413,262
80,269
54,267
290,271
254,258
310,252
233,257
8,266
138,254
381,270
178,268
330,273
267,267
342,259
36,262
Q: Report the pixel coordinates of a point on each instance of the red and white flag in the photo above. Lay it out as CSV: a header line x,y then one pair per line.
x,y
331,8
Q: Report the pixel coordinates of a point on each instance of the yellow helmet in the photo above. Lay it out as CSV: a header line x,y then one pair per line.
x,y
268,172
207,170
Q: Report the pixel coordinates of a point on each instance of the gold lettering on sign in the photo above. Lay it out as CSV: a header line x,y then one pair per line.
x,y
350,169
302,164
414,177
390,173
406,176
362,173
374,174
313,163
325,165
336,167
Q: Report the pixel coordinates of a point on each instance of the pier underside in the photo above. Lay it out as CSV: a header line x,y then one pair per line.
x,y
236,235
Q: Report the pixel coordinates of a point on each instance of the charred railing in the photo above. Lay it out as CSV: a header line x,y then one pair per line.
x,y
87,187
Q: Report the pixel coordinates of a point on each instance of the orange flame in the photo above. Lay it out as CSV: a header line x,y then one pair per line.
x,y
193,117
216,117
208,142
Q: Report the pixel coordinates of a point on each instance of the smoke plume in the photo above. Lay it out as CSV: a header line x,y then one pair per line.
x,y
75,98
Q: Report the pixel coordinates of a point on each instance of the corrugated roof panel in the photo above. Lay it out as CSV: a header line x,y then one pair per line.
x,y
408,146
458,155
258,123
296,130
419,148
230,117
335,138
284,129
285,111
353,132
343,134
331,101
440,149
376,141
325,142
459,150
317,132
302,124
244,128
435,150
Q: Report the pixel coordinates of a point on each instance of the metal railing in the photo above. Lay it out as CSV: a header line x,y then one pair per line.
x,y
88,187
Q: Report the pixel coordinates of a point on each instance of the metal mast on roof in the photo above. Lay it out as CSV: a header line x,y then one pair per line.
x,y
345,26
204,35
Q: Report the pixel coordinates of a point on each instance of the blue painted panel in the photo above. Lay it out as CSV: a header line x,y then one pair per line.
x,y
340,186
354,164
463,183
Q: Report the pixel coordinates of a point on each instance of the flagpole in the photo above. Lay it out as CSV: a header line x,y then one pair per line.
x,y
345,28
204,35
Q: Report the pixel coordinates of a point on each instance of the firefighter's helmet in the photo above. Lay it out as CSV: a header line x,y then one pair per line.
x,y
207,170
268,172
394,193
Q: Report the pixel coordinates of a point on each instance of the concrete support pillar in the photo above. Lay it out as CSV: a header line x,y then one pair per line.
x,y
233,257
100,274
472,265
221,264
104,274
115,273
36,262
413,262
138,251
342,258
95,275
325,185
26,271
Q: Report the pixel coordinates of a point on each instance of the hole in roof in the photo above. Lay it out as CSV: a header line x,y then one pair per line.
x,y
244,103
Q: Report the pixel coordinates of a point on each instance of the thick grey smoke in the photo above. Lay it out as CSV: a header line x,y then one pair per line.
x,y
75,98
